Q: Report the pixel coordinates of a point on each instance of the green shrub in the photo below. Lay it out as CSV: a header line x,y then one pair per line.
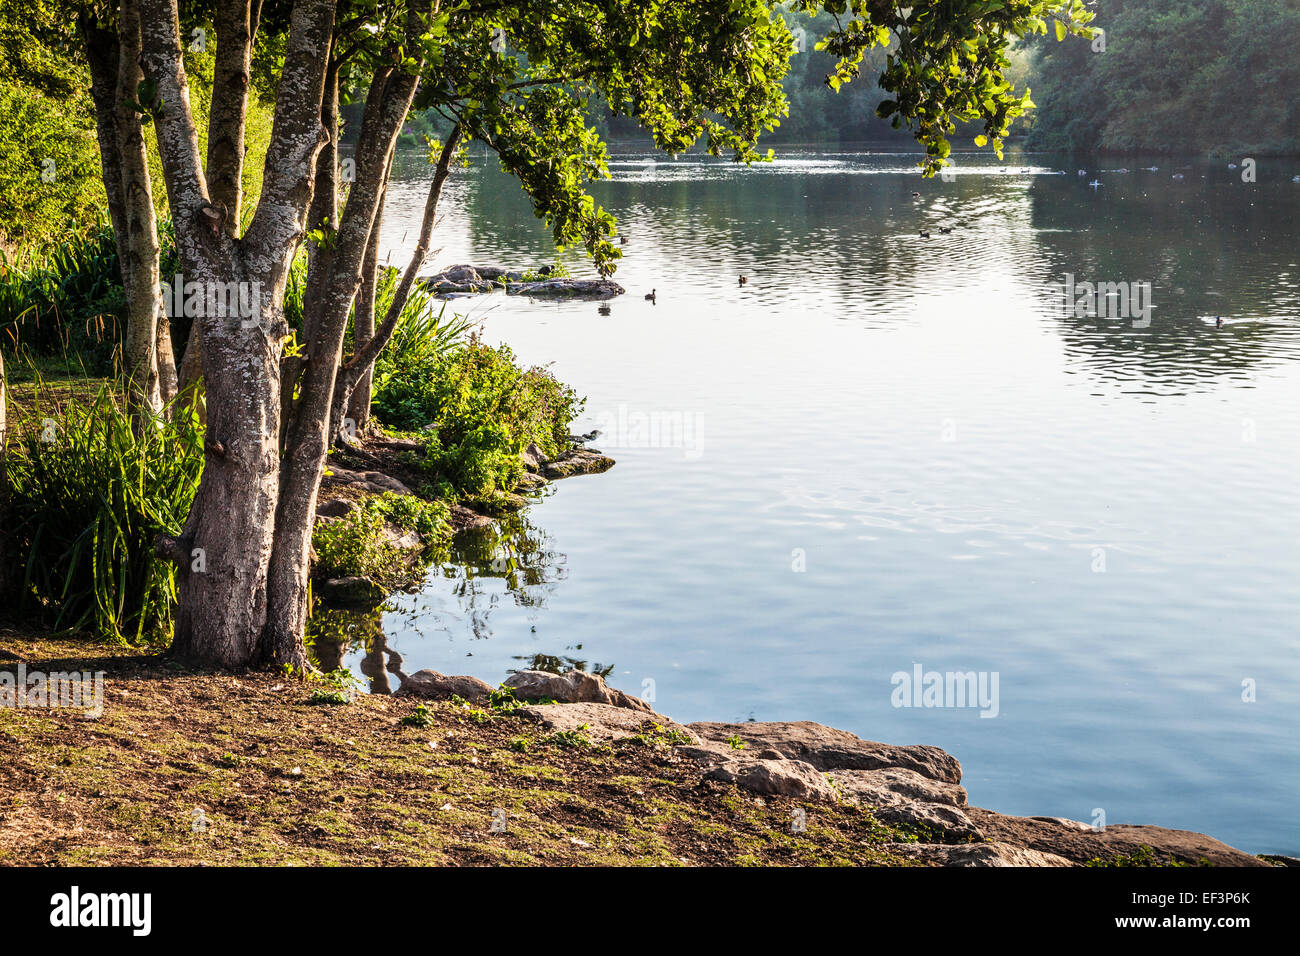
x,y
358,543
321,697
88,498
429,519
484,410
422,716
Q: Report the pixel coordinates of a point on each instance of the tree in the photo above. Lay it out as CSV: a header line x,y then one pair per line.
x,y
47,138
1175,76
517,75
5,524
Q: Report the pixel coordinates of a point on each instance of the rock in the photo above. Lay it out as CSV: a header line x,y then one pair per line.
x,y
779,777
897,786
461,273
396,444
573,687
458,280
353,591
974,854
465,519
898,795
373,481
603,722
950,822
1079,842
895,795
336,508
530,482
402,539
578,461
829,749
533,457
568,288
501,504
498,274
431,685
458,290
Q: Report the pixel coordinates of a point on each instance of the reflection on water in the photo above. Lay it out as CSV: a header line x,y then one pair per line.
x,y
338,638
905,452
511,561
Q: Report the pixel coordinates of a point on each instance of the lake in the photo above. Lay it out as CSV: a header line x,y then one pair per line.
x,y
886,454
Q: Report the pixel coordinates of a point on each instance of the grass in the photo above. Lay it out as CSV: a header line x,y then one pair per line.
x,y
281,781
90,489
67,300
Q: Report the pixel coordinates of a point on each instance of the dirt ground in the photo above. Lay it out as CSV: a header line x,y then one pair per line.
x,y
200,768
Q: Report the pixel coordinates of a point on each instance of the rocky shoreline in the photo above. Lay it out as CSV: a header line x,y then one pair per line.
x,y
916,786
376,458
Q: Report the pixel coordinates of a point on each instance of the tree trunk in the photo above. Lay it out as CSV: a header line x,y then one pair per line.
x,y
6,546
224,552
233,20
167,378
236,25
357,414
308,433
324,212
102,55
139,255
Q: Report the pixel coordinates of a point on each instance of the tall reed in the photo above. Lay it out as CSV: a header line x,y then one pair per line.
x,y
90,489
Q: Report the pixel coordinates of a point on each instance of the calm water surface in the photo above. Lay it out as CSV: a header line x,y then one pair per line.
x,y
1105,516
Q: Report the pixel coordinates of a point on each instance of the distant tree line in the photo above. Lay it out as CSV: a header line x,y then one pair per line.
x,y
1206,76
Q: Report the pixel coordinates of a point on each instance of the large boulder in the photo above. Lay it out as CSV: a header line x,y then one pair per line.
x,y
568,288
529,482
375,482
457,280
573,687
466,519
602,722
774,775
461,273
577,461
898,795
431,685
533,458
829,749
336,508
